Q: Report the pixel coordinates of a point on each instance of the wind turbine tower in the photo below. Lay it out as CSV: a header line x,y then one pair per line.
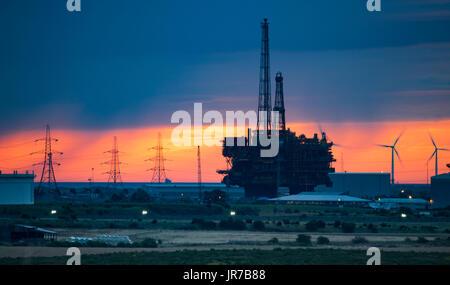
x,y
393,150
435,154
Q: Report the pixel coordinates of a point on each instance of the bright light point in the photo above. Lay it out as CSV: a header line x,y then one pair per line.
x,y
403,215
409,197
403,191
431,201
53,212
144,212
232,213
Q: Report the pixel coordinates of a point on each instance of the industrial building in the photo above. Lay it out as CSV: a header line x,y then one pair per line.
x,y
391,203
19,232
190,191
365,185
16,189
324,199
301,163
440,190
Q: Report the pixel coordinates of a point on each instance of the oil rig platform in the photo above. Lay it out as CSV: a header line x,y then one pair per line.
x,y
301,163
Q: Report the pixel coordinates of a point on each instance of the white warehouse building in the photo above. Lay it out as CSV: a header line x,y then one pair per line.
x,y
16,189
364,185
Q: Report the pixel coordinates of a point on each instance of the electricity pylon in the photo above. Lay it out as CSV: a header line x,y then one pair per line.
x,y
48,173
159,170
114,177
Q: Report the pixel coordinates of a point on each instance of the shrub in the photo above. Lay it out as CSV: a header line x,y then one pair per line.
x,y
422,240
323,240
303,239
133,225
314,225
428,228
258,225
359,240
348,227
231,224
140,196
337,224
118,197
372,228
207,225
148,242
273,240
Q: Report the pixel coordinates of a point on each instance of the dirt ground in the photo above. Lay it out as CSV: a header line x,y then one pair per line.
x,y
199,237
205,240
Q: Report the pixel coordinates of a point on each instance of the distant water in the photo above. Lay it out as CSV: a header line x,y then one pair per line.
x,y
133,185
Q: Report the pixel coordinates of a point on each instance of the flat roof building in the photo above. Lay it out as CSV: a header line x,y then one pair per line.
x,y
332,199
16,189
391,203
190,191
364,185
440,190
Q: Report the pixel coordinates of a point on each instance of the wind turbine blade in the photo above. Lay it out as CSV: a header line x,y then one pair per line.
x,y
398,156
396,141
444,149
434,152
432,140
383,145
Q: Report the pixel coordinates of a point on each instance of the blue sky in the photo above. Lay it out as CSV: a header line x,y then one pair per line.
x,y
133,63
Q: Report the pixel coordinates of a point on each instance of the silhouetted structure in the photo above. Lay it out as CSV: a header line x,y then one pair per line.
x,y
393,150
159,171
301,164
264,101
48,173
279,101
114,173
435,154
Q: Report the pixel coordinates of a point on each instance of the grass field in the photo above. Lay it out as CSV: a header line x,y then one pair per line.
x,y
244,257
250,237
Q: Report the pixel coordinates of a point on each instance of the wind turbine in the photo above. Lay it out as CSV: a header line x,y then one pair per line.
x,y
435,154
392,147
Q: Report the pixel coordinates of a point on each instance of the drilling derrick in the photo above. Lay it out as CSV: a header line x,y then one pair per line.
x,y
159,170
114,177
279,101
264,101
48,173
301,163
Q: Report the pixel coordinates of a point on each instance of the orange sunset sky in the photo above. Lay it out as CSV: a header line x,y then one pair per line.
x,y
84,150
